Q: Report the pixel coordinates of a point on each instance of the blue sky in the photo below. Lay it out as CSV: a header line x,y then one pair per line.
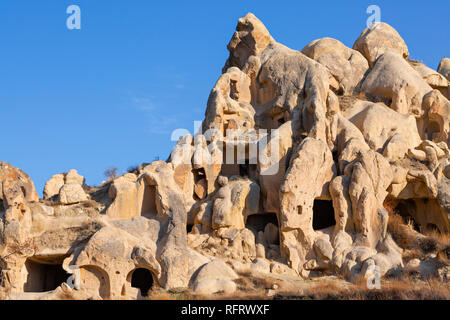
x,y
111,93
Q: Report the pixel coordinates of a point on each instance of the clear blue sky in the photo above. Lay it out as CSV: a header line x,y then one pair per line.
x,y
111,93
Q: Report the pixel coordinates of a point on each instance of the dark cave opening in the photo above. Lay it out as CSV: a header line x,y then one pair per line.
x,y
406,209
43,277
149,209
143,280
323,214
258,222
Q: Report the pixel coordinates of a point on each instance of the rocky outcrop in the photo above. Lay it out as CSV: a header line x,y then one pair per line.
x,y
303,163
444,68
347,67
66,187
393,81
376,41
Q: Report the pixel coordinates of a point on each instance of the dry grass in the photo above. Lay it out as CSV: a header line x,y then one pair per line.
x,y
174,294
398,289
406,237
253,287
403,233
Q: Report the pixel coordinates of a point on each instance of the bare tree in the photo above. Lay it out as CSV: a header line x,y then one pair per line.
x,y
111,173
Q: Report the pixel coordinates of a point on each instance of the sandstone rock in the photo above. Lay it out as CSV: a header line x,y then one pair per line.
x,y
73,177
53,186
373,42
370,177
211,286
181,157
213,277
393,81
229,104
72,193
345,65
19,178
272,172
436,119
271,233
234,202
124,193
382,127
250,39
312,162
280,268
216,269
444,68
260,265
434,79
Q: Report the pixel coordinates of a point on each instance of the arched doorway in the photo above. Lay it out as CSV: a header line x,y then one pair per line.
x,y
142,279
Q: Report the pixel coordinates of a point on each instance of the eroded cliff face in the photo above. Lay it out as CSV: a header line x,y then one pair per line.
x,y
303,160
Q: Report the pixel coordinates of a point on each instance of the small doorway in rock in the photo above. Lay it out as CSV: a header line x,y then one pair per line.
x,y
323,214
142,279
406,209
149,209
42,277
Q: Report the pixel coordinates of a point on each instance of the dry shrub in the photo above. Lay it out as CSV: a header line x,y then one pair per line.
x,y
252,283
402,233
111,173
442,240
326,290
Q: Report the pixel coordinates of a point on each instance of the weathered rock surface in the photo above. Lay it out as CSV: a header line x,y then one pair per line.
x,y
346,66
374,42
393,81
308,164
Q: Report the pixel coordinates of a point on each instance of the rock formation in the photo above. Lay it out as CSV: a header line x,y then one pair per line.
x,y
302,160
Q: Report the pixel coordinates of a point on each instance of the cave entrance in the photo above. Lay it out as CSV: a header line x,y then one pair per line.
x,y
142,279
258,222
42,277
149,209
407,209
200,184
323,214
